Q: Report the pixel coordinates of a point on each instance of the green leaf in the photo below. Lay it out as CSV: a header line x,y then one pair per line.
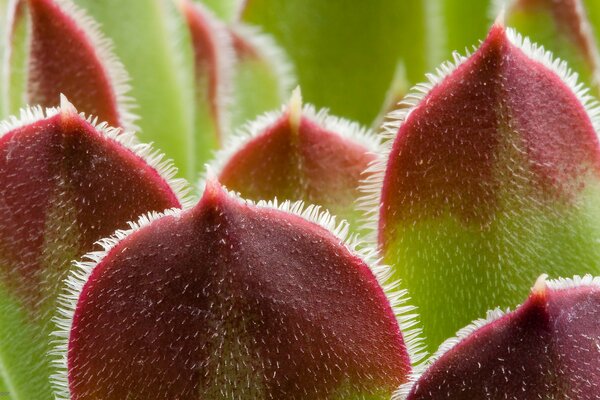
x,y
263,76
225,9
153,43
346,53
461,24
13,54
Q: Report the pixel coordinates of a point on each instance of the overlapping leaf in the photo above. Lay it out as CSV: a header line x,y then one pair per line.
x,y
152,40
54,48
64,184
546,349
233,300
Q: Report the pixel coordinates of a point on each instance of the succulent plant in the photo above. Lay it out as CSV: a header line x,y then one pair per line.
x,y
337,234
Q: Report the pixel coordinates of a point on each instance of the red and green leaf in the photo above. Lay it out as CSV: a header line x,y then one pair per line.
x,y
492,177
232,299
64,184
214,62
300,154
63,52
546,349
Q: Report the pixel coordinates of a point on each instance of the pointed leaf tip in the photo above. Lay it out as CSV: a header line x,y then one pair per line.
x,y
64,184
491,178
241,301
545,349
299,154
295,109
68,54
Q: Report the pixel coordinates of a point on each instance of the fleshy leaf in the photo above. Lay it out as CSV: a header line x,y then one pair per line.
x,y
264,77
546,349
226,10
152,40
13,90
345,54
563,28
491,177
214,61
299,154
64,184
67,54
232,300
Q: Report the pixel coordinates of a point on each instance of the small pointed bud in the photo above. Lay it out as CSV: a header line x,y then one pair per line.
x,y
299,154
563,27
64,184
546,349
232,300
68,54
214,62
491,177
264,76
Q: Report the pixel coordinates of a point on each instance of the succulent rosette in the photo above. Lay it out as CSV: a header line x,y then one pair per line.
x,y
329,242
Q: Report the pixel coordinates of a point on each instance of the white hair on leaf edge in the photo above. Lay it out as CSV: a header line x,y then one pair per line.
x,y
462,334
72,288
127,139
252,130
371,187
78,277
560,68
398,299
118,77
558,284
570,283
271,53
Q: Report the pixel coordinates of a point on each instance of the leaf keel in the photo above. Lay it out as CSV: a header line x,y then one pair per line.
x,y
232,300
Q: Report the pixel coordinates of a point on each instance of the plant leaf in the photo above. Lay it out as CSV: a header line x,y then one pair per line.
x,y
214,61
491,177
15,58
232,300
64,184
299,154
60,50
264,77
152,41
347,59
460,23
563,28
226,10
546,349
